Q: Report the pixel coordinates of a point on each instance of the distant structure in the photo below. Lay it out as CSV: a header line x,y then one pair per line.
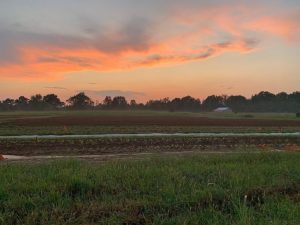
x,y
223,109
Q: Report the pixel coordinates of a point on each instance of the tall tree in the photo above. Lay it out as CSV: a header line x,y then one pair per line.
x,y
237,103
80,101
22,103
8,104
36,102
119,102
52,101
264,102
107,102
212,102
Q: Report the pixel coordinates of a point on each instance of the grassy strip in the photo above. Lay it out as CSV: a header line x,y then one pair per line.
x,y
226,189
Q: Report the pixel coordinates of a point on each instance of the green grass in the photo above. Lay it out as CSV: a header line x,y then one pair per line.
x,y
174,190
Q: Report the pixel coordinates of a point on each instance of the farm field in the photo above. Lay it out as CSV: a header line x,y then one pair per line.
x,y
199,189
105,122
140,180
137,122
131,145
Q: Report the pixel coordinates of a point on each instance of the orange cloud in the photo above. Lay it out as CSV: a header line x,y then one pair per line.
x,y
196,35
285,27
51,63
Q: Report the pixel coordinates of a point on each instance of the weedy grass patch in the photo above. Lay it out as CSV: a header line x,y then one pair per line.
x,y
223,189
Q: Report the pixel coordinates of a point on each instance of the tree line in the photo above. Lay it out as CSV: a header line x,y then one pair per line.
x,y
261,102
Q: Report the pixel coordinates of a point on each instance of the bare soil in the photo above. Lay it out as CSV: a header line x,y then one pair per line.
x,y
99,146
151,120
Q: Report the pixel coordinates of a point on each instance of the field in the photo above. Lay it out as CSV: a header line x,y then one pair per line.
x,y
91,122
139,180
245,189
131,145
118,122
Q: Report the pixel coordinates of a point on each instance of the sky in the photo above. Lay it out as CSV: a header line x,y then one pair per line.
x,y
148,49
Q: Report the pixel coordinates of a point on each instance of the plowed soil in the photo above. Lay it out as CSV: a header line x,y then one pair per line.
x,y
137,145
151,120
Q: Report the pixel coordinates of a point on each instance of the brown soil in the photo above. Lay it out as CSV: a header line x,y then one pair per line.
x,y
151,120
95,146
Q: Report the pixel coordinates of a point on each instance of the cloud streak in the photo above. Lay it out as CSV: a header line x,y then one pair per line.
x,y
113,93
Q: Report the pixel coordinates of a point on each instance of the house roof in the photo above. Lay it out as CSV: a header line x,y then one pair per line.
x,y
222,109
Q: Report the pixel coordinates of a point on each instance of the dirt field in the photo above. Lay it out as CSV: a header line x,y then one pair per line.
x,y
105,122
100,146
150,120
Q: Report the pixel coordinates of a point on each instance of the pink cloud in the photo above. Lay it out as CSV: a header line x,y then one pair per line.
x,y
198,34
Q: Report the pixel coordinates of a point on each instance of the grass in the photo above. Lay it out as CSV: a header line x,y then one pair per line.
x,y
174,190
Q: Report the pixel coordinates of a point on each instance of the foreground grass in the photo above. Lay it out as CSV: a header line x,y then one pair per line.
x,y
224,189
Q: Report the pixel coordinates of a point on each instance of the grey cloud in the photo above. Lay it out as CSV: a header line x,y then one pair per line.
x,y
131,36
251,42
84,62
204,53
11,41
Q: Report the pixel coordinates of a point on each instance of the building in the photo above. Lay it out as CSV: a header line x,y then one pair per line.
x,y
223,109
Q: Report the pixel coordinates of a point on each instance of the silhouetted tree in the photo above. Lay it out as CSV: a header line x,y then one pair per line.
x,y
162,104
237,103
119,102
187,103
8,104
261,102
22,103
212,102
107,102
36,102
52,101
133,104
80,101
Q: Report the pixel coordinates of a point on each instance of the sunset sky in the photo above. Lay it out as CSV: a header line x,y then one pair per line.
x,y
147,49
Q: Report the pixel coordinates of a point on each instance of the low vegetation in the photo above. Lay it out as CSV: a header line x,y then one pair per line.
x,y
224,189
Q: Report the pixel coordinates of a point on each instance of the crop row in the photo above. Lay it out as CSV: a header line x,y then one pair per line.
x,y
139,144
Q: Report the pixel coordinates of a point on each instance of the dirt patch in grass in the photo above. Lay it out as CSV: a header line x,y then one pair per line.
x,y
257,196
